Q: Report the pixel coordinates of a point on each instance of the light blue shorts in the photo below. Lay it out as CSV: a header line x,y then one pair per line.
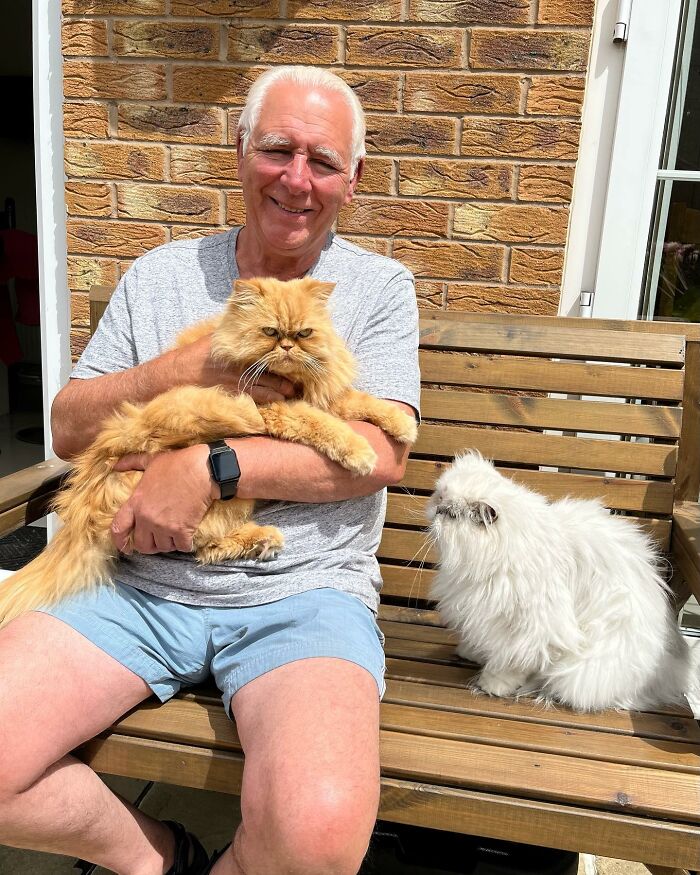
x,y
171,645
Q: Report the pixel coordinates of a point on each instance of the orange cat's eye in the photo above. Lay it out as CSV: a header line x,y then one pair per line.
x,y
271,332
305,332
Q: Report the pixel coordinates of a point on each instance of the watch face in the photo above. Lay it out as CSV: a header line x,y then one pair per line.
x,y
225,469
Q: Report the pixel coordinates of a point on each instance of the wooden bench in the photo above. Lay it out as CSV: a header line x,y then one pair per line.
x,y
566,406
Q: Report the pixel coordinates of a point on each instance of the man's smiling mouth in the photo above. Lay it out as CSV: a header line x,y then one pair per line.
x,y
287,209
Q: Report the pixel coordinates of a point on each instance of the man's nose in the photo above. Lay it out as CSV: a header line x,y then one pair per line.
x,y
297,177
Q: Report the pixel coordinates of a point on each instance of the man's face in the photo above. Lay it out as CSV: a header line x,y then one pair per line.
x,y
296,170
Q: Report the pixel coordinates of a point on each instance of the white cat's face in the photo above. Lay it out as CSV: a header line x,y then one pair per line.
x,y
464,495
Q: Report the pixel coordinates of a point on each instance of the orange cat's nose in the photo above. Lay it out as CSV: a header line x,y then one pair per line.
x,y
286,345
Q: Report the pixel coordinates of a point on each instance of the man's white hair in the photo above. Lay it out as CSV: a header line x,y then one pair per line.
x,y
312,77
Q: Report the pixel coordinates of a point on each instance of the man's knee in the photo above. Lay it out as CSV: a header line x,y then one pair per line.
x,y
327,833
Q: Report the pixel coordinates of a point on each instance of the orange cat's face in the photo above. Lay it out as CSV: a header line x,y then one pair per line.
x,y
281,327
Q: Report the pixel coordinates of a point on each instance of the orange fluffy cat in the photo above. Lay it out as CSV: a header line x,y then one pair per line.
x,y
281,327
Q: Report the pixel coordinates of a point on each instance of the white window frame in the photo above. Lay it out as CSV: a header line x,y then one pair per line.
x,y
639,134
54,297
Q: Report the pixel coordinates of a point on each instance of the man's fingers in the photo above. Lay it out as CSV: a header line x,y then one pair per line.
x,y
133,462
122,526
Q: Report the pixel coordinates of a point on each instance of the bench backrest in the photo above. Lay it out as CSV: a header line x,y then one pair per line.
x,y
584,407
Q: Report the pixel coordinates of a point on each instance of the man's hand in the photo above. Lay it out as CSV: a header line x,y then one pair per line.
x,y
194,364
169,502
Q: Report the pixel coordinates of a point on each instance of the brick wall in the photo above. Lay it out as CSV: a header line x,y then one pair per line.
x,y
473,125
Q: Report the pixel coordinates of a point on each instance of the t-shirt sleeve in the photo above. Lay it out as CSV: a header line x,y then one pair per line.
x,y
111,347
387,354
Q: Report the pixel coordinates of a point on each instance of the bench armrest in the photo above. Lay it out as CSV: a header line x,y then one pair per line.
x,y
685,543
25,495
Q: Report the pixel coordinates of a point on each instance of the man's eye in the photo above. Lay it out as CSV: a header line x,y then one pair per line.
x,y
271,332
305,332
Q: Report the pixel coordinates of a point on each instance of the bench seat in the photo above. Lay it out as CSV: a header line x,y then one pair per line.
x,y
588,408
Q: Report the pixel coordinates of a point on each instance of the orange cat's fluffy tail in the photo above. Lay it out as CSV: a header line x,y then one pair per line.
x,y
71,562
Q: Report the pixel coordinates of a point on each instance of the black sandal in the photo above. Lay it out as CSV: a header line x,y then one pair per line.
x,y
190,856
216,856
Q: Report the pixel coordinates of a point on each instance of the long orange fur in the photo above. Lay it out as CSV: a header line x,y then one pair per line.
x,y
82,555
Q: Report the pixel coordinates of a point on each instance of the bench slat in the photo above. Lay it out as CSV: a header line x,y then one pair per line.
x,y
553,413
587,829
616,493
575,378
566,342
546,776
550,450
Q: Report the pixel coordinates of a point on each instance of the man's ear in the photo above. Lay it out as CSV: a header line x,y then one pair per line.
x,y
355,181
239,153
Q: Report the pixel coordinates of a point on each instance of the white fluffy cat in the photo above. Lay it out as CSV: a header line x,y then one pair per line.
x,y
556,598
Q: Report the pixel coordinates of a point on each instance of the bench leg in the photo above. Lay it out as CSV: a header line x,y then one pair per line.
x,y
664,870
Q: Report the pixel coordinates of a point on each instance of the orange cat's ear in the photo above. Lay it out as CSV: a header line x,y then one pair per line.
x,y
321,291
246,293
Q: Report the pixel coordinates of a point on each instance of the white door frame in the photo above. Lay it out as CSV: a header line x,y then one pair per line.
x,y
50,202
640,127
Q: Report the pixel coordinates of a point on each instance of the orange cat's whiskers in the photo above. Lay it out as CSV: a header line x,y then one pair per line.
x,y
252,372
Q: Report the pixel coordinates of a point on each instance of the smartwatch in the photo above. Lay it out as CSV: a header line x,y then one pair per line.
x,y
223,464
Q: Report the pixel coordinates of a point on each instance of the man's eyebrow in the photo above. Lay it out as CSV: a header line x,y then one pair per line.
x,y
270,141
329,154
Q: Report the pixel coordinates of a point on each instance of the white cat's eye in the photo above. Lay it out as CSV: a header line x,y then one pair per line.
x,y
271,332
305,332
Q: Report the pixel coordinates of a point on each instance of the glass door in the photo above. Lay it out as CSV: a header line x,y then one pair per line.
x,y
671,281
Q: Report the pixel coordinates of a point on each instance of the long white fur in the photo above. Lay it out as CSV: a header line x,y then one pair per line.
x,y
559,598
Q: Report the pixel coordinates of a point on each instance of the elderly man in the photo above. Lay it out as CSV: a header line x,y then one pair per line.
x,y
292,643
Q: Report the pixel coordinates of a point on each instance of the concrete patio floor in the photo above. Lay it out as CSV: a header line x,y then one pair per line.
x,y
211,816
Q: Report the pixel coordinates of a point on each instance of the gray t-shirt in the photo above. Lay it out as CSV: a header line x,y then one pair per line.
x,y
326,545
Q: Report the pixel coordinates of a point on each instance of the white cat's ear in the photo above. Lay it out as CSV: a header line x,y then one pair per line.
x,y
486,514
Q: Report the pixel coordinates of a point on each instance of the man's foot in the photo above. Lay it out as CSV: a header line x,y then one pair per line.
x,y
190,856
216,856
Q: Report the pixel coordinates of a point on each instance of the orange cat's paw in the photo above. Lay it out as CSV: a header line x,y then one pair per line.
x,y
267,545
360,458
404,429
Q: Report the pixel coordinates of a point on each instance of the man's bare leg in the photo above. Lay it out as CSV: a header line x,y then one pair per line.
x,y
310,732
57,690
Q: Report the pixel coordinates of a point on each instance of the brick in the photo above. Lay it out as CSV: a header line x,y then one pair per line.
x,y
88,199
168,203
284,43
341,10
545,182
231,8
79,338
427,135
83,273
113,238
555,95
109,80
233,117
191,124
84,38
470,12
520,138
85,119
451,260
536,266
403,47
528,50
193,232
566,12
125,264
235,208
377,176
512,223
212,84
114,161
375,89
113,7
462,93
430,294
394,216
380,245
169,40
502,299
202,165
79,309
456,179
